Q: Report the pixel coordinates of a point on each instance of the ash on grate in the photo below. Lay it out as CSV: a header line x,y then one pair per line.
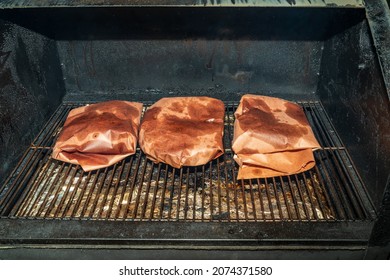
x,y
138,189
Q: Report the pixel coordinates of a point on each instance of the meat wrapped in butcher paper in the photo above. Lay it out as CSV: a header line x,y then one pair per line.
x,y
99,135
272,137
183,131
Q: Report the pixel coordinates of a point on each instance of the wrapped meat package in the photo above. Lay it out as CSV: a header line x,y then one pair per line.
x,y
272,137
183,131
99,135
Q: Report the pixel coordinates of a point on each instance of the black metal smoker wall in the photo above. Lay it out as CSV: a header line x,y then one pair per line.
x,y
31,87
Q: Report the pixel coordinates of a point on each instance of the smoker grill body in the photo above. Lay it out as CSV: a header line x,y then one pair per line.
x,y
57,54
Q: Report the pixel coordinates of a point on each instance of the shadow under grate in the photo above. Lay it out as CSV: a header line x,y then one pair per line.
x,y
138,189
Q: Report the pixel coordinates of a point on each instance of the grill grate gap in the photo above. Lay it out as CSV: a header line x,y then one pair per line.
x,y
137,189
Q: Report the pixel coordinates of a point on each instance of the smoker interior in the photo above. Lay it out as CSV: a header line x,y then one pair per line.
x,y
56,59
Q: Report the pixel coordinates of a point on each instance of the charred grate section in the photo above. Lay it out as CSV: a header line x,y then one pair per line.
x,y
137,189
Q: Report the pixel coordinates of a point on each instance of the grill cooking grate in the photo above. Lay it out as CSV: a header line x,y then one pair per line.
x,y
138,189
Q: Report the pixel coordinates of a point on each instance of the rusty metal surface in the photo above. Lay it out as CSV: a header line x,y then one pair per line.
x,y
200,3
